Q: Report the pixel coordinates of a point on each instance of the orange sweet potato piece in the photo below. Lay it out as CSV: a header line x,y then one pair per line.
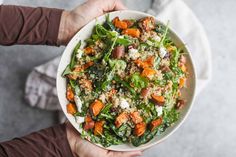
x,y
89,123
136,118
155,123
120,119
87,65
133,32
128,22
182,82
89,51
119,24
145,64
70,94
98,127
83,67
96,107
71,108
148,72
140,129
158,99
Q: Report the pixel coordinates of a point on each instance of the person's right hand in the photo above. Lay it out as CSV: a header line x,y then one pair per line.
x,y
74,20
83,148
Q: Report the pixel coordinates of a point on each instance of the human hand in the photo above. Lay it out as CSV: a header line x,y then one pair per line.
x,y
83,148
74,20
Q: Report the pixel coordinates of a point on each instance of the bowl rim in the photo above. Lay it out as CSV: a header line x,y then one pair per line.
x,y
181,121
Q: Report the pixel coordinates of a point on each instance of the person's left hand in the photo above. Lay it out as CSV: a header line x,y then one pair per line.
x,y
74,20
83,148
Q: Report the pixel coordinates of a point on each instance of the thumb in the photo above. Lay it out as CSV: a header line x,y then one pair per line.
x,y
110,5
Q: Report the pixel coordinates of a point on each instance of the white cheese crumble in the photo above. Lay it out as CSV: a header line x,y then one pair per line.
x,y
162,52
79,53
124,104
78,103
159,110
156,38
102,97
79,119
134,54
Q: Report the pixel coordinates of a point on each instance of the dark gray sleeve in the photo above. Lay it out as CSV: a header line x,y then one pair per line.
x,y
27,25
50,142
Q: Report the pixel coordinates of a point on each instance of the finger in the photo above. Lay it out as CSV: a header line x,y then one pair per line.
x,y
126,154
110,5
119,5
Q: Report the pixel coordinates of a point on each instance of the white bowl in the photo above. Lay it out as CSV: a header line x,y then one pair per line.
x,y
188,93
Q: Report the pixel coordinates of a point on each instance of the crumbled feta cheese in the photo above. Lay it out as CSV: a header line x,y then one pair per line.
x,y
78,103
134,54
79,53
156,38
102,97
159,110
162,52
79,119
124,104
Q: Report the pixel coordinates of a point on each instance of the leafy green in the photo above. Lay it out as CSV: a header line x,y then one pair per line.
x,y
139,81
175,57
125,84
149,112
73,57
66,71
146,137
123,41
115,65
170,116
107,55
108,24
164,36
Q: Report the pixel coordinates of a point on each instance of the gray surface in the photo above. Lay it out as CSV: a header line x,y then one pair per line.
x,y
210,129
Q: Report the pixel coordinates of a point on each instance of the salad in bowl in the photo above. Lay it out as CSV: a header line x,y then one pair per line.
x,y
126,82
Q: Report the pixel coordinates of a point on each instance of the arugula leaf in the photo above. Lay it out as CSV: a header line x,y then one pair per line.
x,y
125,84
170,116
73,57
108,24
67,70
139,81
175,57
123,41
146,137
165,34
107,55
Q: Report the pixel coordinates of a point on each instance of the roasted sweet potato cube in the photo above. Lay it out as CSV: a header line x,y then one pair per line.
x,y
120,119
159,100
71,108
140,129
133,32
96,107
70,94
136,118
155,123
98,127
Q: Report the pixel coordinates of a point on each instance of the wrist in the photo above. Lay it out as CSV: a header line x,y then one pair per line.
x,y
73,138
63,32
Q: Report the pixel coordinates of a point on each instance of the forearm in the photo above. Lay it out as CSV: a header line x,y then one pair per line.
x,y
27,25
51,142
